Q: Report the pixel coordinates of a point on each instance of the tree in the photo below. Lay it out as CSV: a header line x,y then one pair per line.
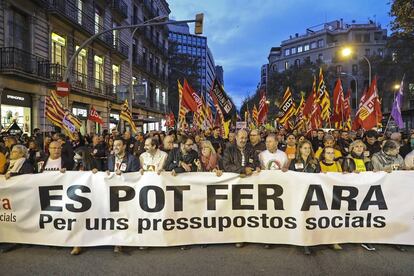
x,y
403,11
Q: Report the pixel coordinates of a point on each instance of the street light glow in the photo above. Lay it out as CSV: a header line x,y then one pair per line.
x,y
397,86
346,52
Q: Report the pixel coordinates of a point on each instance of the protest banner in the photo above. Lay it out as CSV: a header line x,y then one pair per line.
x,y
85,209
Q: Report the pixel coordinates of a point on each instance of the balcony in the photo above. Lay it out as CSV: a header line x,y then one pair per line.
x,y
82,83
119,7
19,62
70,12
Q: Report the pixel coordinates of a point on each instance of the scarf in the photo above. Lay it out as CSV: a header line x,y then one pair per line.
x,y
16,165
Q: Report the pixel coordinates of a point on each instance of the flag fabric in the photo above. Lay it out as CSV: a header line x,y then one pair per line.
x,y
126,115
338,110
356,124
323,98
396,106
182,110
369,114
347,111
94,116
255,116
287,107
169,120
188,97
312,109
219,120
263,108
300,123
228,109
61,117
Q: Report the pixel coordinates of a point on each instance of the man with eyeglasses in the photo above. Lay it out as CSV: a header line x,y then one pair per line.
x,y
182,159
55,161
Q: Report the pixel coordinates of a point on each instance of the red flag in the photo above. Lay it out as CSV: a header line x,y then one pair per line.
x,y
169,120
338,98
312,109
94,116
347,111
188,99
263,108
369,114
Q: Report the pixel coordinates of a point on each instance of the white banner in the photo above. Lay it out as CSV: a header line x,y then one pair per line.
x,y
85,209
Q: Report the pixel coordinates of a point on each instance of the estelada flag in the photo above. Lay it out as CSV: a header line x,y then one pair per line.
x,y
94,116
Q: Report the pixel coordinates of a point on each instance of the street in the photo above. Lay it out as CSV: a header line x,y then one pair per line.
x,y
252,259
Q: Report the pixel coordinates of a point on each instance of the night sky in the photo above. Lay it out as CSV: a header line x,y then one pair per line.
x,y
240,33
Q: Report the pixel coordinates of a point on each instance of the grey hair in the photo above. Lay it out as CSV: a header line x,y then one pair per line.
x,y
23,150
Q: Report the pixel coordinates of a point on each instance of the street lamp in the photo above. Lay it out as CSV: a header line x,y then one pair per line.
x,y
347,51
356,87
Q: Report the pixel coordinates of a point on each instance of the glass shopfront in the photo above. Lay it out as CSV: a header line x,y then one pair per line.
x,y
16,107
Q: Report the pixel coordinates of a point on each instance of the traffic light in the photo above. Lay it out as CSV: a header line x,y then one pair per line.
x,y
199,23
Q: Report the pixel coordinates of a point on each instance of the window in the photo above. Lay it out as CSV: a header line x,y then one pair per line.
x,y
300,49
116,76
58,49
313,45
306,47
79,5
320,43
320,57
354,69
115,36
287,52
98,20
358,37
98,62
293,50
19,34
367,37
81,66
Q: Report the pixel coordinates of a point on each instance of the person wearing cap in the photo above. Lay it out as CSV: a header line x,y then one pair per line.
x,y
373,145
388,158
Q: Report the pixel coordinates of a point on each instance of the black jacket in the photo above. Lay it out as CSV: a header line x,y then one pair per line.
x,y
26,168
309,166
129,164
232,159
174,158
348,163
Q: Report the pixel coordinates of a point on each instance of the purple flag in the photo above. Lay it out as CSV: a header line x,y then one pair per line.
x,y
396,107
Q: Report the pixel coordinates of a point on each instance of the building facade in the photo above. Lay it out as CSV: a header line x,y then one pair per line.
x,y
38,38
196,47
220,74
324,43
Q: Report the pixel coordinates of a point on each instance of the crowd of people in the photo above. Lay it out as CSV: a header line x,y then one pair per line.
x,y
177,151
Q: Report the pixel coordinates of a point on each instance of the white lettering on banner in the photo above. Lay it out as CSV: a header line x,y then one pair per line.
x,y
85,209
15,97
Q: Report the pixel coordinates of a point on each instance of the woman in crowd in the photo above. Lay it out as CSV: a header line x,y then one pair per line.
x,y
327,161
388,158
305,162
209,160
357,159
305,159
35,154
19,164
329,164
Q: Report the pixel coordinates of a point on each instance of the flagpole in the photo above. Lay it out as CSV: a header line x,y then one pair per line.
x,y
389,118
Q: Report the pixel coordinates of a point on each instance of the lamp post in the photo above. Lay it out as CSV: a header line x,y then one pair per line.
x,y
347,51
356,87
